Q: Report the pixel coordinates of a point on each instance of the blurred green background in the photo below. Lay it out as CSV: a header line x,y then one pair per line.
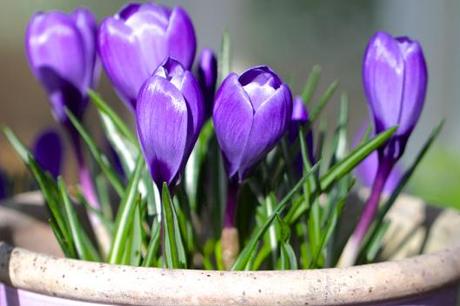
x,y
290,36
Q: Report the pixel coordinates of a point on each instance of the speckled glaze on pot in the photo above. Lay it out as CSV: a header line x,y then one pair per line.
x,y
430,279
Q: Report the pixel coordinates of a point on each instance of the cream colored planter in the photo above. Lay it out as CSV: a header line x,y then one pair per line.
x,y
430,279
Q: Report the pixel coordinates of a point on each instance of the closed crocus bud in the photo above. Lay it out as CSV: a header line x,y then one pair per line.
x,y
61,52
395,81
48,151
133,43
169,116
299,118
207,77
251,113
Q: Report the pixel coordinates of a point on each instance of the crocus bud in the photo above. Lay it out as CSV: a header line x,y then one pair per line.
x,y
169,116
395,81
133,43
207,77
62,55
251,113
48,152
299,118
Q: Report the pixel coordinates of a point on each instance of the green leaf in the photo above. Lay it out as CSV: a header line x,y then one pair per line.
x,y
103,107
100,158
154,244
311,84
323,100
125,214
288,258
173,248
84,247
224,58
401,184
245,255
340,136
106,222
354,158
376,242
49,190
195,164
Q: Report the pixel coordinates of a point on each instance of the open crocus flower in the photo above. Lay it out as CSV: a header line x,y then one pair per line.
x,y
48,151
169,116
61,52
251,113
395,81
133,43
207,77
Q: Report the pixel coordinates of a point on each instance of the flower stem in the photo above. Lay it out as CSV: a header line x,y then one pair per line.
x,y
351,250
229,237
88,189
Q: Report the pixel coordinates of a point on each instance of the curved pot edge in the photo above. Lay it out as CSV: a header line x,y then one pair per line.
x,y
68,278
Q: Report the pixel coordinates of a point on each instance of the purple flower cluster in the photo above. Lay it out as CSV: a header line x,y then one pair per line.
x,y
147,51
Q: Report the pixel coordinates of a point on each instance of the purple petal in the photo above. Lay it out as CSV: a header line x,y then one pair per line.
x,y
260,83
415,83
383,75
270,123
53,41
120,57
129,9
207,77
86,24
299,110
232,118
181,37
162,126
48,151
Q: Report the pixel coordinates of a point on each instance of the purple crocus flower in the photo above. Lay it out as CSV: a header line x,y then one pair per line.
x,y
134,42
251,113
61,52
61,49
169,116
48,151
395,80
207,77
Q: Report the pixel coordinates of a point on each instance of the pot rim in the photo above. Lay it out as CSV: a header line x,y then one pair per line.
x,y
100,282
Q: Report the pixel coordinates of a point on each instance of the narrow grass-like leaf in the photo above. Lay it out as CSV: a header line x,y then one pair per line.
x,y
68,252
100,158
106,222
244,257
311,84
84,247
322,102
195,163
376,242
173,248
154,245
327,231
49,190
401,184
354,158
103,107
224,58
288,258
125,213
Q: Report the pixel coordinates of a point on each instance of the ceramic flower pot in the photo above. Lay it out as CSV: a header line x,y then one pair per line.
x,y
29,277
